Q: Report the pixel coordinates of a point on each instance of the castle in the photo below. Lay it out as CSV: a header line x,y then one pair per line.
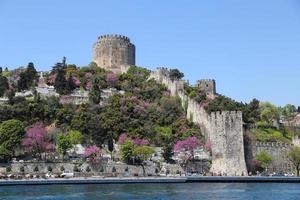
x,y
114,53
224,129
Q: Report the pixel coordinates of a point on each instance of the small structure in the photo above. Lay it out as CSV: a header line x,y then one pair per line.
x,y
43,89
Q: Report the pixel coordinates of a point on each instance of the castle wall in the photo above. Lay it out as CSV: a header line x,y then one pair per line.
x,y
223,129
279,153
114,52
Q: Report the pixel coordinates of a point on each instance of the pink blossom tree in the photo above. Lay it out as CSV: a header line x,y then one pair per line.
x,y
140,142
36,140
111,79
185,148
92,152
122,138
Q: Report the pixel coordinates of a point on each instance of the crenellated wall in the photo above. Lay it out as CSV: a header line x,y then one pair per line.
x,y
224,129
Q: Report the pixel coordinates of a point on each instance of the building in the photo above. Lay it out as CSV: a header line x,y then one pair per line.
x,y
114,53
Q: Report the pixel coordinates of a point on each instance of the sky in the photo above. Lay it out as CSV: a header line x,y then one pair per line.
x,y
250,47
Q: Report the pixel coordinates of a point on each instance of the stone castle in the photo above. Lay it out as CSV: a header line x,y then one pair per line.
x,y
114,52
224,129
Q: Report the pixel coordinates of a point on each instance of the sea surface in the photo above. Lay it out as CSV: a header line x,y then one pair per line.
x,y
184,191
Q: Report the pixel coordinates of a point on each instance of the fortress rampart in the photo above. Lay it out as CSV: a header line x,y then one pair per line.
x,y
114,52
224,129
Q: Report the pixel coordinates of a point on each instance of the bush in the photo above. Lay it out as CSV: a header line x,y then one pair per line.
x,y
76,169
126,169
88,169
156,171
8,169
62,168
102,169
36,169
22,169
49,168
114,169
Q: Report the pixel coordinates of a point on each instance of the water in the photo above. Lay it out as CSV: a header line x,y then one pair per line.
x,y
186,191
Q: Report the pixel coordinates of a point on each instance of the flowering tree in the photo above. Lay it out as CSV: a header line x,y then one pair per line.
x,y
122,138
185,148
92,152
36,140
111,79
140,142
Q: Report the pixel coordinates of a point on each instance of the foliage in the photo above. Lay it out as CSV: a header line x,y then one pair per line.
x,y
175,74
75,137
36,140
63,143
187,147
28,78
268,112
92,152
264,159
11,133
3,85
294,155
127,149
271,135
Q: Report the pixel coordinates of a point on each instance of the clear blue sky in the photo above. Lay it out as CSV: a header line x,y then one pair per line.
x,y
251,47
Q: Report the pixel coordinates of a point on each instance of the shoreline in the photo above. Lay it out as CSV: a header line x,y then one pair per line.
x,y
145,180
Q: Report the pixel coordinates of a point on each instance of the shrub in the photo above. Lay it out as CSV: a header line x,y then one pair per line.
x,y
62,168
114,169
88,169
156,171
36,169
76,169
8,169
49,168
22,169
102,169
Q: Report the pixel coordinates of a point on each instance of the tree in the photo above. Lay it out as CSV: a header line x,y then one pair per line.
x,y
288,111
269,112
61,85
36,140
143,153
63,144
175,74
92,152
95,94
11,133
186,148
294,155
111,79
127,149
264,159
3,85
75,138
28,78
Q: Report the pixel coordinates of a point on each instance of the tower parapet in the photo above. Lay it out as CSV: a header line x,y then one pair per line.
x,y
114,52
207,86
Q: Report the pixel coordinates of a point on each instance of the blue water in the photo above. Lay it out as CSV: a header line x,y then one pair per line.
x,y
186,191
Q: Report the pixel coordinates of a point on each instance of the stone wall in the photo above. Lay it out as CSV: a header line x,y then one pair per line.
x,y
223,129
96,169
114,52
279,153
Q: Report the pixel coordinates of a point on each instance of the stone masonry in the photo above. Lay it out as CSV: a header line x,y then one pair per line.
x,y
114,52
224,129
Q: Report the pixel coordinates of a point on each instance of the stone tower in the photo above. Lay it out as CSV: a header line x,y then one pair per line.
x,y
114,52
208,86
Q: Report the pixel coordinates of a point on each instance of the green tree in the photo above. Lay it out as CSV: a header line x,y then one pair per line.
x,y
175,74
11,134
3,85
269,112
294,155
143,153
127,151
95,94
28,78
63,144
264,158
75,138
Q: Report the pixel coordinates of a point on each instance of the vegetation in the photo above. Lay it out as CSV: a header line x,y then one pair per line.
x,y
295,158
264,159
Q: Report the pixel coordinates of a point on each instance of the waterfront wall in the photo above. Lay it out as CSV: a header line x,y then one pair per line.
x,y
279,153
224,129
102,168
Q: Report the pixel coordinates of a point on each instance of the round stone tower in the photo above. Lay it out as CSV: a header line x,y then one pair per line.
x,y
114,52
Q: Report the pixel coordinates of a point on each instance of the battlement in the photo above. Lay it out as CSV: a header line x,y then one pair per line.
x,y
232,114
113,37
272,144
